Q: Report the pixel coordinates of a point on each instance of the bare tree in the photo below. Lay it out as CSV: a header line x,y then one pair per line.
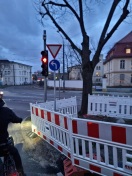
x,y
78,8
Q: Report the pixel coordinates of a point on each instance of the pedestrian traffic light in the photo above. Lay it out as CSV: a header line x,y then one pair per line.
x,y
44,61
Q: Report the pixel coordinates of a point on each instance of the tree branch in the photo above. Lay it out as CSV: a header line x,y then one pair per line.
x,y
56,4
112,10
81,19
104,39
61,30
72,10
120,20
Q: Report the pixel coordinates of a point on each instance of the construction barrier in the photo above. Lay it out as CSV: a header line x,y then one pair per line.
x,y
71,170
112,106
100,147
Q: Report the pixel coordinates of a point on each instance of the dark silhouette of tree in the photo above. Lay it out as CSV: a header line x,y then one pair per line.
x,y
55,10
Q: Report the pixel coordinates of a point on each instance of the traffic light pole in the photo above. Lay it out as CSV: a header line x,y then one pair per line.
x,y
45,78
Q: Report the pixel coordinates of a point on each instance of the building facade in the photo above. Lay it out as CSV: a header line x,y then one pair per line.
x,y
118,63
75,72
98,72
13,73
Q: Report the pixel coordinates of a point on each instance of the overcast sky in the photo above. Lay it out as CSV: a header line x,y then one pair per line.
x,y
21,34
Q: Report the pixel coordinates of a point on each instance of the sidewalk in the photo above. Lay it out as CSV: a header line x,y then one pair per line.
x,y
38,149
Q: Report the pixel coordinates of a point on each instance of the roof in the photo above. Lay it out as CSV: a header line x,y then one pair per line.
x,y
119,49
12,62
126,39
4,60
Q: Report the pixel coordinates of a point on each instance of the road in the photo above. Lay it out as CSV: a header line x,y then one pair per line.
x,y
18,98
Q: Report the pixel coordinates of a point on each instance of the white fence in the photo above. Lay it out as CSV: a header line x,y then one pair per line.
x,y
77,84
64,106
104,148
113,106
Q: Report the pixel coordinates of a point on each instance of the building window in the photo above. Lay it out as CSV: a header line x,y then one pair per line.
x,y
128,51
91,106
130,109
95,106
120,109
122,78
98,68
100,107
111,54
122,64
105,107
98,80
125,109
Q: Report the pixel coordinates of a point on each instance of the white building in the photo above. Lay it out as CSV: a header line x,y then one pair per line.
x,y
118,63
13,73
98,72
75,72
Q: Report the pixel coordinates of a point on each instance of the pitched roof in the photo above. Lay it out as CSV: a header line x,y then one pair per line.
x,y
118,50
126,39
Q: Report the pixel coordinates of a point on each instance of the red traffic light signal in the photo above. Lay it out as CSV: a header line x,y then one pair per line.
x,y
45,60
44,65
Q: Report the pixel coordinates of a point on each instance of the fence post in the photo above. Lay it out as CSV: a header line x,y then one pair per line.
x,y
70,118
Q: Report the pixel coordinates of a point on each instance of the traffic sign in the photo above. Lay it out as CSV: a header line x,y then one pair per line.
x,y
54,49
54,65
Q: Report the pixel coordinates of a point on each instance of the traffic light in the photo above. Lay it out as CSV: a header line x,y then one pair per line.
x,y
44,61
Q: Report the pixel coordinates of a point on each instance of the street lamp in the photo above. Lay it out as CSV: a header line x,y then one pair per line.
x,y
63,46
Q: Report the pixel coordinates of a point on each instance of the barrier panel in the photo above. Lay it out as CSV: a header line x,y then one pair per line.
x,y
63,106
113,106
103,148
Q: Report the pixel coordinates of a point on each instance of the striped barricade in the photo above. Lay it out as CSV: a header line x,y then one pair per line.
x,y
111,143
112,106
51,127
104,148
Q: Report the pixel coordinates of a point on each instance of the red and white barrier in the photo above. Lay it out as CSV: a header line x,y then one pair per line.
x,y
112,106
104,148
112,132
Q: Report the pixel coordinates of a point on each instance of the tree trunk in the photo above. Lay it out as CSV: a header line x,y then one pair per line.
x,y
87,89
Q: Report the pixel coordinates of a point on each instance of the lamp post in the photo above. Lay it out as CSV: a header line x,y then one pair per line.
x,y
63,46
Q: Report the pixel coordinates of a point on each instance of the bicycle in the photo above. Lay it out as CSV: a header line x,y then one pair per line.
x,y
8,164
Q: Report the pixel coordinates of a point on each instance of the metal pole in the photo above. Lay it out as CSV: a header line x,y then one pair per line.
x,y
59,84
54,92
63,66
45,79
